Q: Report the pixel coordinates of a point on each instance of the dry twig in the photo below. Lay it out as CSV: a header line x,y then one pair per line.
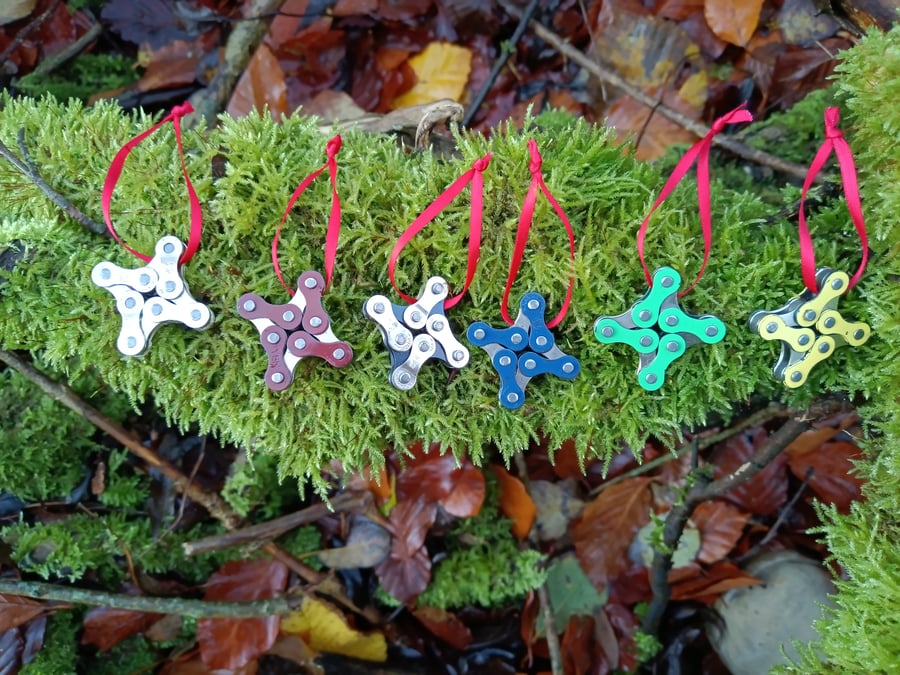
x,y
211,501
609,77
27,168
553,645
704,489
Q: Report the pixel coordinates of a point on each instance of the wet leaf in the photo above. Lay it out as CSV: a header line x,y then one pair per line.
x,y
13,10
556,506
105,627
442,71
697,582
802,23
232,643
324,628
445,625
607,527
262,86
367,545
581,650
515,503
11,646
405,573
16,610
571,592
734,21
431,476
154,21
833,477
720,528
766,492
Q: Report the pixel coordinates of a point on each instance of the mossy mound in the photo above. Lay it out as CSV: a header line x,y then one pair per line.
x,y
214,378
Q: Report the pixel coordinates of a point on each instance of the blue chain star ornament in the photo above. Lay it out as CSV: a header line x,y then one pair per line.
x,y
809,326
655,326
527,348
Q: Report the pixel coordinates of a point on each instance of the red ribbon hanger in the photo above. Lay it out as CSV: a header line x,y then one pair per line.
x,y
474,176
834,140
699,152
115,171
525,220
334,219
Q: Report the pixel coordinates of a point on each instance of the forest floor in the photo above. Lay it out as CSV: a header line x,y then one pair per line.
x,y
377,60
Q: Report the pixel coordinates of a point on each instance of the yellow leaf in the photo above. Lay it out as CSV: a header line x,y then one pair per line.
x,y
323,628
442,71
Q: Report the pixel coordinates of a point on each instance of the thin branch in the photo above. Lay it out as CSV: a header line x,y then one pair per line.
x,y
211,501
699,129
23,34
704,489
242,43
553,645
760,417
70,51
198,609
27,168
506,50
63,394
779,521
344,502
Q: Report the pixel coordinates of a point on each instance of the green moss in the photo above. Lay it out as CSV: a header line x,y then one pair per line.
x,y
484,565
71,547
132,655
253,485
82,77
44,447
59,654
214,378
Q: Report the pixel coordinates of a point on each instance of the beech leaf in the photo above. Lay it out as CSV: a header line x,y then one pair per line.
x,y
720,528
607,527
405,573
442,71
232,643
515,503
707,583
445,625
432,476
105,627
16,610
261,87
734,21
324,629
833,476
367,545
766,492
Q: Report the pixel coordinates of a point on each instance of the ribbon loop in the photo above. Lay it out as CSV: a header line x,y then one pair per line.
x,y
332,235
526,218
834,141
699,152
118,165
476,178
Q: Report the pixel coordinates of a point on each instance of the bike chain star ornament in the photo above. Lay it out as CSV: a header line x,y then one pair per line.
x,y
655,326
421,331
809,326
300,327
527,348
156,294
